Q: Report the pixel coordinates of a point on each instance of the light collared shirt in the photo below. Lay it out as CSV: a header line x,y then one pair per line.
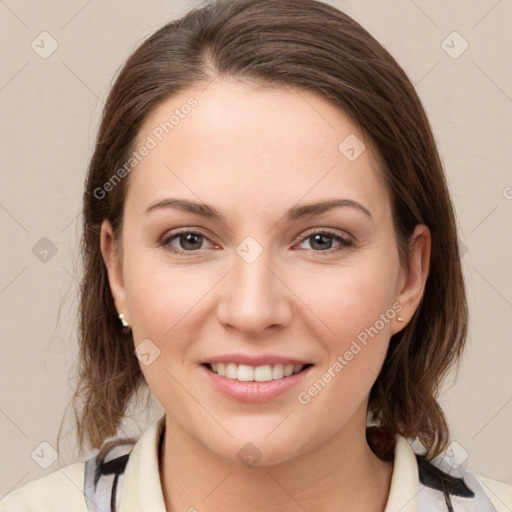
x,y
128,480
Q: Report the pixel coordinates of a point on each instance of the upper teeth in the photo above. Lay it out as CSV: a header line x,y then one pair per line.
x,y
248,373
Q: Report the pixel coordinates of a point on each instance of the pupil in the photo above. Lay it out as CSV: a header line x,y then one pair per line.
x,y
321,237
189,240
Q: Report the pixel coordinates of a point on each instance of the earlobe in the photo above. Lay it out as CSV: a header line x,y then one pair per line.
x,y
113,264
415,276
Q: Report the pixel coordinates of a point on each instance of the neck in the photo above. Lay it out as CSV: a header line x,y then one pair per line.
x,y
342,474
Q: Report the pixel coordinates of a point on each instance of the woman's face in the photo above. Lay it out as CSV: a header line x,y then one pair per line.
x,y
263,281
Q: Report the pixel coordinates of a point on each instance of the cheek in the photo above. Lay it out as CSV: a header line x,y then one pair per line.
x,y
350,299
159,294
356,308
161,302
168,305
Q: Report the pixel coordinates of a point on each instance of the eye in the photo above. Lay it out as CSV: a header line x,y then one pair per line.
x,y
187,241
322,240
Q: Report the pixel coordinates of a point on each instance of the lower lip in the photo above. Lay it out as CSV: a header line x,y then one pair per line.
x,y
254,391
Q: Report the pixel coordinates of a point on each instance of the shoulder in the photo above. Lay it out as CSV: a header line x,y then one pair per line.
x,y
499,493
61,490
79,487
445,481
94,484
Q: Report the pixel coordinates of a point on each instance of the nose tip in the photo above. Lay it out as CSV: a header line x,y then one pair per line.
x,y
254,298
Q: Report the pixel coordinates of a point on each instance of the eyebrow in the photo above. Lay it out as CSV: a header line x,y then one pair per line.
x,y
297,212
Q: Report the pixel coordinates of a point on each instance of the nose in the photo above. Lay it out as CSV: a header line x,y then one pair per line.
x,y
254,297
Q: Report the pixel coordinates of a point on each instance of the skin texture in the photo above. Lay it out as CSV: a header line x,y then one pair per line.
x,y
253,152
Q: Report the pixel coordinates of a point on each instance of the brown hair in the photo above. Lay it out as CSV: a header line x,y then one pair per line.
x,y
285,43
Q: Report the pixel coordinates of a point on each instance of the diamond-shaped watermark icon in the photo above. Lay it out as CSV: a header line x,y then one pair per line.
x,y
351,147
249,454
147,352
44,455
249,249
44,250
454,456
454,45
44,45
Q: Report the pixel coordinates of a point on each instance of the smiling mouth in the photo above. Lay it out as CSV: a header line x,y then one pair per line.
x,y
247,373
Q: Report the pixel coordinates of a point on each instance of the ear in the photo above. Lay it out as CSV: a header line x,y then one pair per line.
x,y
412,280
113,262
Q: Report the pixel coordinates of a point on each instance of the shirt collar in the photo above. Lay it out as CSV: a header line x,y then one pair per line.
x,y
142,491
403,492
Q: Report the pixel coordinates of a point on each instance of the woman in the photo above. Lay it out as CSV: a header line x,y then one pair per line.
x,y
267,223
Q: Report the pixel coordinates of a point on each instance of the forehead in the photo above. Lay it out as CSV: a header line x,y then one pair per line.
x,y
233,142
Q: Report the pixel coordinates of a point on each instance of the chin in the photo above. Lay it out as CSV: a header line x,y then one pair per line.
x,y
256,453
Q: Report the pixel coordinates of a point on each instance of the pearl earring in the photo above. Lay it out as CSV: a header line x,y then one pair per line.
x,y
400,319
123,320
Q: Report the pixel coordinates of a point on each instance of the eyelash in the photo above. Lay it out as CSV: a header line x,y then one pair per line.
x,y
166,240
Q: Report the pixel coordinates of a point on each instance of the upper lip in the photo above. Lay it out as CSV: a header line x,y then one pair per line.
x,y
256,361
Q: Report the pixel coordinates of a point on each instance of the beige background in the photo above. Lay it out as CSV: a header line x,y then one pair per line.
x,y
50,110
